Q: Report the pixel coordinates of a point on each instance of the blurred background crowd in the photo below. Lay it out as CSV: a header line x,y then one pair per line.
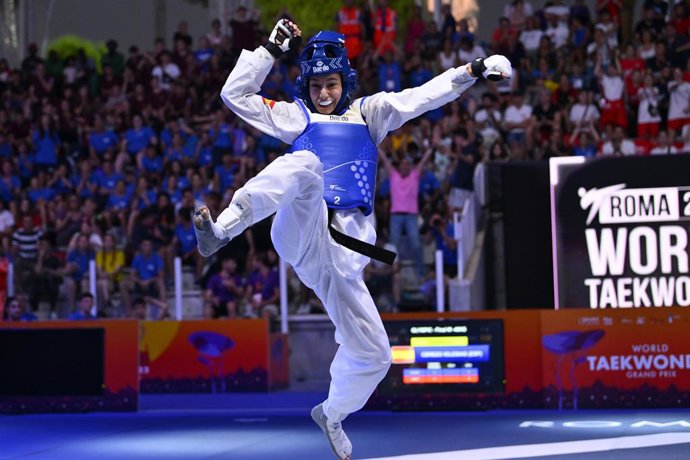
x,y
108,165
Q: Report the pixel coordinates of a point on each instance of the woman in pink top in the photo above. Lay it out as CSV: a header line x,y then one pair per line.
x,y
404,183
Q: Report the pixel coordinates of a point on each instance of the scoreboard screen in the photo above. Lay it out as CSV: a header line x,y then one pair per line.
x,y
447,356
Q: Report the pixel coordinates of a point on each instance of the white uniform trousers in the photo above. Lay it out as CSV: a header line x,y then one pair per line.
x,y
292,187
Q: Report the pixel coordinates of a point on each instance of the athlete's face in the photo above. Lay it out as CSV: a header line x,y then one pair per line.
x,y
325,92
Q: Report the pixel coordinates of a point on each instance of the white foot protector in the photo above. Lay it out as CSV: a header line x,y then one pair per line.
x,y
211,236
207,241
340,443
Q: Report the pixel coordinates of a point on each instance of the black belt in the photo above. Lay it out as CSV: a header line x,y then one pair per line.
x,y
362,247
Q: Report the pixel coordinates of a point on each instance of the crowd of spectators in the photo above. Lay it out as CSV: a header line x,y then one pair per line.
x,y
109,165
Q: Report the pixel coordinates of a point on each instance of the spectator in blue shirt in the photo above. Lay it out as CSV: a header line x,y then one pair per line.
x,y
5,146
587,139
139,136
107,179
37,190
14,311
25,161
224,173
149,161
172,127
46,141
203,152
77,268
203,53
85,182
172,188
390,74
100,139
120,198
60,183
143,196
220,135
85,310
147,273
418,71
10,185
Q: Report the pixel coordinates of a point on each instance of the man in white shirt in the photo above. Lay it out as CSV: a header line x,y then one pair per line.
x,y
517,119
557,31
583,112
618,145
6,225
612,86
531,36
167,71
489,119
679,107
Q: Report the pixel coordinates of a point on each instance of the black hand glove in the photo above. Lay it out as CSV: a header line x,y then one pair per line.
x,y
282,39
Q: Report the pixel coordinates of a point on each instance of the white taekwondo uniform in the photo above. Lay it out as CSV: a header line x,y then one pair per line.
x,y
292,186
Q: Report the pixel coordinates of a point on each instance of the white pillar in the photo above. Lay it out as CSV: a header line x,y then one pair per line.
x,y
178,288
10,279
282,272
457,228
92,287
440,288
92,281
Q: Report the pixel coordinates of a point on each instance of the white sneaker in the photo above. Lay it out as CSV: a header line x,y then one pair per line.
x,y
340,443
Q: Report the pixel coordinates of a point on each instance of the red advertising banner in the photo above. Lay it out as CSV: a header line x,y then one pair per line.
x,y
632,358
214,356
103,351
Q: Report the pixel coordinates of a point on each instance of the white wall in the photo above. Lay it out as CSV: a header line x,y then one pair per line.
x,y
127,21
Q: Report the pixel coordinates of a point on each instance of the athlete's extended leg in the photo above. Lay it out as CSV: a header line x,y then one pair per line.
x,y
293,177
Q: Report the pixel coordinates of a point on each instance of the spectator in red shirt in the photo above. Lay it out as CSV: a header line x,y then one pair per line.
x,y
502,35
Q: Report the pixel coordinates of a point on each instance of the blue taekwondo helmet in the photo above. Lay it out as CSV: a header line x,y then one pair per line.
x,y
324,54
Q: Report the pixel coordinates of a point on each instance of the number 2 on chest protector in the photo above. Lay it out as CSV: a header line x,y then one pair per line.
x,y
336,200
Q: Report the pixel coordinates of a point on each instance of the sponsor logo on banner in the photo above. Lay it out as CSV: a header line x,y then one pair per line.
x,y
621,232
643,361
623,242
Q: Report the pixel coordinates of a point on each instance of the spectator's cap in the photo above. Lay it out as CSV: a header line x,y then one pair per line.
x,y
324,54
33,47
111,45
134,49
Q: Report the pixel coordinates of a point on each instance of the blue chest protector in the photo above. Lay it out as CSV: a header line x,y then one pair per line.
x,y
348,154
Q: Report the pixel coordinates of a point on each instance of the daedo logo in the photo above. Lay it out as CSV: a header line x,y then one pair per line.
x,y
636,247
